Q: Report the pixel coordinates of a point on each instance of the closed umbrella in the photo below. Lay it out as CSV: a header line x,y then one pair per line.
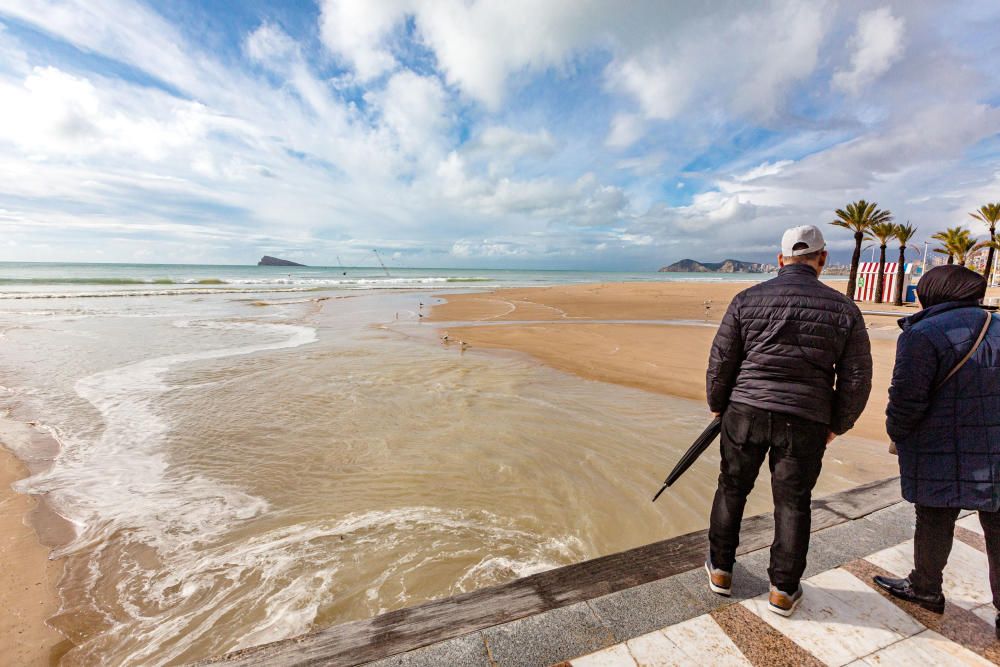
x,y
707,437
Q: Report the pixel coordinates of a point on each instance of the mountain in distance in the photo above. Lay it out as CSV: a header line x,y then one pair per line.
x,y
267,260
725,266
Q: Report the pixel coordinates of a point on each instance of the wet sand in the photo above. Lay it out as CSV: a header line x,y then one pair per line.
x,y
580,329
27,579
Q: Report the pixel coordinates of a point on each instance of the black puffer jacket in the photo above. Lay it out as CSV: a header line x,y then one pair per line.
x,y
783,343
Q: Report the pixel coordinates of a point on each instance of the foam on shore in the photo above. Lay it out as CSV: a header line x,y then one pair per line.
x,y
121,481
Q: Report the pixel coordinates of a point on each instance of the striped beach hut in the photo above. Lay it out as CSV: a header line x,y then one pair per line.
x,y
868,281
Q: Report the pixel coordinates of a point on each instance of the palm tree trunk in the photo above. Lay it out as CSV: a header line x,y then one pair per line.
x,y
880,285
989,254
898,300
855,260
951,259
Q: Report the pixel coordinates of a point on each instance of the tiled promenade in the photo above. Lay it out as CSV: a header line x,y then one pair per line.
x,y
842,620
651,606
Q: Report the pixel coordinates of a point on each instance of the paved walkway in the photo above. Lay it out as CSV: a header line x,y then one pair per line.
x,y
842,620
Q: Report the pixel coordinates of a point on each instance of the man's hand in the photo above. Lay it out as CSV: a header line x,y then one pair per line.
x,y
830,436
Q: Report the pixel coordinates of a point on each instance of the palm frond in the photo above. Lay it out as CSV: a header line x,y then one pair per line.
x,y
905,233
881,231
860,215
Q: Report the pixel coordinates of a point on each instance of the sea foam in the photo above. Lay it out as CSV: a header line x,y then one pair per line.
x,y
119,485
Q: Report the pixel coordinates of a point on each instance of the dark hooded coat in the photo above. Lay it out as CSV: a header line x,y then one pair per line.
x,y
947,436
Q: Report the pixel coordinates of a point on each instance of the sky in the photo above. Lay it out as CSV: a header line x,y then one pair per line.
x,y
557,134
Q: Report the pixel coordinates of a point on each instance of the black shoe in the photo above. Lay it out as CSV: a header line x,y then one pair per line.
x,y
998,627
903,589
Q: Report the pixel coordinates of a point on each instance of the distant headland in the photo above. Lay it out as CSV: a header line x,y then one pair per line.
x,y
267,260
725,266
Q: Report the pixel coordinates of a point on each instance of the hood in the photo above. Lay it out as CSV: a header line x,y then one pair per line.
x,y
907,322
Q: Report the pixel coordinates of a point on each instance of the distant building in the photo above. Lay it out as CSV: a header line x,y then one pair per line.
x,y
977,261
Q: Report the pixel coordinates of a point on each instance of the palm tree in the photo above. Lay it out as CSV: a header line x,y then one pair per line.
x,y
950,239
904,234
989,214
881,232
858,217
964,250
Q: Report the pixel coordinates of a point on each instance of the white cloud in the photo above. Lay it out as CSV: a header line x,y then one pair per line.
x,y
479,45
659,50
761,170
502,149
124,31
270,46
52,113
645,165
415,109
744,63
874,47
626,129
487,248
356,31
713,208
513,144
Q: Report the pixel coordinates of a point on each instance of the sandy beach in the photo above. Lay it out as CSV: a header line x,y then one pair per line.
x,y
27,579
622,333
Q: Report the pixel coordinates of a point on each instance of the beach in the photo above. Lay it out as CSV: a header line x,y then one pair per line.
x,y
28,578
240,468
653,336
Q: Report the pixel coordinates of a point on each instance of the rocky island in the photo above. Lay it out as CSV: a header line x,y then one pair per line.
x,y
267,260
725,266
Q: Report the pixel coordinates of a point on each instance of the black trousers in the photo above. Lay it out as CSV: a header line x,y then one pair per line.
x,y
795,447
932,541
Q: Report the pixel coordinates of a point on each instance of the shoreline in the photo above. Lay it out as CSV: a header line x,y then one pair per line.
x,y
29,580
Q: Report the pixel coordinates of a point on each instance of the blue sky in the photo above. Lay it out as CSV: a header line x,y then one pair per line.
x,y
559,134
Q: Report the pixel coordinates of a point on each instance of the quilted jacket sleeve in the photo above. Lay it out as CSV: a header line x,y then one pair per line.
x,y
854,379
725,358
912,382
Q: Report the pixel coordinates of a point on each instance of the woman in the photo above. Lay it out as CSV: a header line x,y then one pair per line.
x,y
945,424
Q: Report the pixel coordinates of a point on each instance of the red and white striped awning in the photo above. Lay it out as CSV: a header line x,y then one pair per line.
x,y
868,280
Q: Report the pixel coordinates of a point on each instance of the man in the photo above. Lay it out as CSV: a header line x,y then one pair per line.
x,y
790,369
944,417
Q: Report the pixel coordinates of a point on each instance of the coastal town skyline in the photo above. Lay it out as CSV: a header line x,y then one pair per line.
x,y
485,134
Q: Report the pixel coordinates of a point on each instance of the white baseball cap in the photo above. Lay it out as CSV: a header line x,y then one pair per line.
x,y
801,241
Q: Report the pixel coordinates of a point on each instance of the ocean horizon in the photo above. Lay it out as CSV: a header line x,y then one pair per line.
x,y
78,279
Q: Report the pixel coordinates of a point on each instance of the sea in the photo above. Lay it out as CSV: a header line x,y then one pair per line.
x,y
65,280
232,455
